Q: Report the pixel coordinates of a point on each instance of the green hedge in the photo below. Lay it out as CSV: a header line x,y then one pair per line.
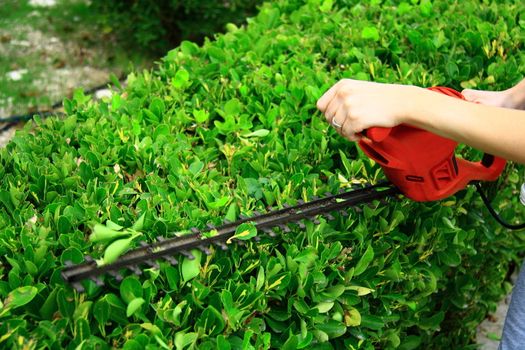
x,y
157,25
232,127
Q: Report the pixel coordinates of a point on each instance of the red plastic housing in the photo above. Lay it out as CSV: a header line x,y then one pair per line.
x,y
423,165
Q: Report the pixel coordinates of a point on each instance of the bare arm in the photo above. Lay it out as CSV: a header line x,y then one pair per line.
x,y
353,106
495,130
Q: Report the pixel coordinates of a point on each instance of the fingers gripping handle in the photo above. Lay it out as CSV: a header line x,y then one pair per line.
x,y
423,165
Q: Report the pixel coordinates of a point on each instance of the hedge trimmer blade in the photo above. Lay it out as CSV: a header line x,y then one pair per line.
x,y
166,249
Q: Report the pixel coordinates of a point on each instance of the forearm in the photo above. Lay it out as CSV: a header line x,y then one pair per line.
x,y
498,131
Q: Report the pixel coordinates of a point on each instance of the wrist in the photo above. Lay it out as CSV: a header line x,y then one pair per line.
x,y
514,97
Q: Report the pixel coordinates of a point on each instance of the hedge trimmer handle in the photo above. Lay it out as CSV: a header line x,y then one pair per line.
x,y
423,165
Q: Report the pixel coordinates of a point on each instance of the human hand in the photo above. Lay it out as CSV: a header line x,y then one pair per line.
x,y
491,98
352,106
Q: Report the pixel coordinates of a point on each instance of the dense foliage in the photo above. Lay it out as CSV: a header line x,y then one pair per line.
x,y
231,127
156,26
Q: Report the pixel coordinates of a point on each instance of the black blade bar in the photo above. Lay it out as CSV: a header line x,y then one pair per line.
x,y
183,244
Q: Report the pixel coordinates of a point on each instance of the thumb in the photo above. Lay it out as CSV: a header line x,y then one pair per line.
x,y
471,95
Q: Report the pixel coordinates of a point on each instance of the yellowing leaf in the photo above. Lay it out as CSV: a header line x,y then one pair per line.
x,y
352,318
244,232
360,290
276,283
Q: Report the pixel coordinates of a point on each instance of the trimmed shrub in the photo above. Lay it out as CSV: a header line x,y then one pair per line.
x,y
231,127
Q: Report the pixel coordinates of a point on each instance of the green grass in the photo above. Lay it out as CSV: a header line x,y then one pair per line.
x,y
80,41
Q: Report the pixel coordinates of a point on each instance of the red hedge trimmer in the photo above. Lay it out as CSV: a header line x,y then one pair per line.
x,y
420,165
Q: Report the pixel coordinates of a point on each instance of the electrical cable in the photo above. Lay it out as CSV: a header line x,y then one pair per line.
x,y
15,119
494,214
7,127
25,117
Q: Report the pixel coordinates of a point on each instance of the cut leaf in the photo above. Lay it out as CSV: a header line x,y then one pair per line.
x,y
191,267
134,306
116,249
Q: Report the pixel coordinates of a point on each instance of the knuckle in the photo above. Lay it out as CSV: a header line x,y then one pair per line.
x,y
343,92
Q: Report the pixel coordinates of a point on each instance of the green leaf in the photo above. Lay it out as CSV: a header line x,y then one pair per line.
x,y
410,342
116,102
82,330
232,107
116,249
114,226
139,224
258,133
452,69
332,328
157,107
82,310
134,306
334,291
211,321
222,343
19,297
324,307
132,344
450,257
64,225
182,339
191,267
231,214
50,305
370,33
103,234
433,322
130,289
291,343
181,79
326,6
260,279
196,167
86,172
360,290
101,311
426,7
365,260
200,115
72,254
161,130
372,322
219,203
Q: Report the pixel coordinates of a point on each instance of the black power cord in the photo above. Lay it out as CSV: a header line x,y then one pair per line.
x,y
15,119
493,212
